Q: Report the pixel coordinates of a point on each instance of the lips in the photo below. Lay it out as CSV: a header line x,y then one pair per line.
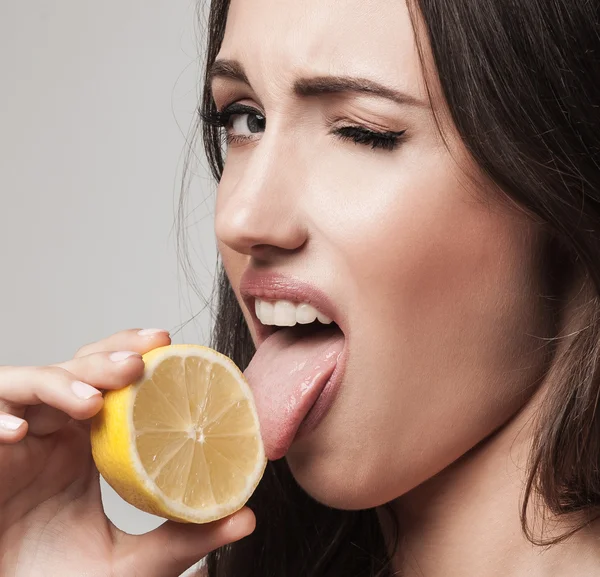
x,y
292,365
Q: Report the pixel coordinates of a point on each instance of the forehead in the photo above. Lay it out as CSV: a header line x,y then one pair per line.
x,y
284,39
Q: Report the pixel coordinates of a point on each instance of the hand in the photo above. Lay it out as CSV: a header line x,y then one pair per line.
x,y
52,522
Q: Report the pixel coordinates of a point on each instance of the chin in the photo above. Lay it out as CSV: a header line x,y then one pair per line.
x,y
337,482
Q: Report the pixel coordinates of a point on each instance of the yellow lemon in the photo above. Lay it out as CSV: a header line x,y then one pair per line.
x,y
183,442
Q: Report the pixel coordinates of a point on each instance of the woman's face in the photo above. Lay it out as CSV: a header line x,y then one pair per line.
x,y
435,278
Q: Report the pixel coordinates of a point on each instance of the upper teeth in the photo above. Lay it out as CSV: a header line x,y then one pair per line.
x,y
287,314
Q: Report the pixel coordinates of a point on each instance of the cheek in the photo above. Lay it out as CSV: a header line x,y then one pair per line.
x,y
445,326
235,264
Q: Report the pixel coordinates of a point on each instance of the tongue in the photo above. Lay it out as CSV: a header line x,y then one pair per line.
x,y
287,374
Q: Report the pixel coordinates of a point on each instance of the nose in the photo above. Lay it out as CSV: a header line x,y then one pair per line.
x,y
258,210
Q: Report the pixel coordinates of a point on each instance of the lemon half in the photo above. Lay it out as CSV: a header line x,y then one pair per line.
x,y
183,442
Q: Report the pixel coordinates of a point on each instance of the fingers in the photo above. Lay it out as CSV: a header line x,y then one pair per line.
x,y
107,370
117,360
53,386
12,428
63,391
71,388
44,420
138,340
172,548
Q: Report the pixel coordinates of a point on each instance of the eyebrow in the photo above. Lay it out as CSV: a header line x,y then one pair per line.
x,y
231,69
319,85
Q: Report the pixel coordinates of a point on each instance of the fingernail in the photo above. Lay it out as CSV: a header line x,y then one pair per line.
x,y
10,422
151,332
122,355
83,390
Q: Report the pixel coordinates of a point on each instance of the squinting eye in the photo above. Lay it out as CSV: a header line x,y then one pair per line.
x,y
246,124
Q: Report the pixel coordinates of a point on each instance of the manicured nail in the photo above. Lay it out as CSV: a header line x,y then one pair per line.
x,y
83,390
122,356
10,422
151,332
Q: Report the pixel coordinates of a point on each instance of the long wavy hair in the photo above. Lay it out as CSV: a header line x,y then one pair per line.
x,y
522,84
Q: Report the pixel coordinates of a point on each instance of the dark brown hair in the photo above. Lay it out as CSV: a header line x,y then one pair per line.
x,y
522,83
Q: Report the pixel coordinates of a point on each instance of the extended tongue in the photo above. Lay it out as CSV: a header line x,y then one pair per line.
x,y
287,374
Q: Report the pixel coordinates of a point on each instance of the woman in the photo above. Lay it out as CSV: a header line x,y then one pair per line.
x,y
426,177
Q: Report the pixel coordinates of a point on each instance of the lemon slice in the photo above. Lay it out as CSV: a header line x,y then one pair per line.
x,y
183,442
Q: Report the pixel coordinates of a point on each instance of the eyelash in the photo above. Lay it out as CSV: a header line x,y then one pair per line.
x,y
387,140
222,118
359,135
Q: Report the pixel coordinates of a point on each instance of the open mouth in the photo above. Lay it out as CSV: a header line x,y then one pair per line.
x,y
302,319
295,360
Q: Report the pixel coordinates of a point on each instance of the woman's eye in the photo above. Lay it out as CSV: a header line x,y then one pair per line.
x,y
246,124
359,135
240,123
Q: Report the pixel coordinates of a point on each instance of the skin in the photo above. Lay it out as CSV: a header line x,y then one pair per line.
x,y
438,278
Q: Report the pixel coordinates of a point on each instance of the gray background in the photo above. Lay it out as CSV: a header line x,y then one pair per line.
x,y
96,102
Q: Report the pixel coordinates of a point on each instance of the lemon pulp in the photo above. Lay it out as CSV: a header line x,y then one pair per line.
x,y
184,441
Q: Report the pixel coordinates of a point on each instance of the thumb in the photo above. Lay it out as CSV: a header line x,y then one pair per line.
x,y
173,547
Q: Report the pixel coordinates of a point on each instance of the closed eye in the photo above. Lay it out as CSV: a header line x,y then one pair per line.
x,y
359,135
